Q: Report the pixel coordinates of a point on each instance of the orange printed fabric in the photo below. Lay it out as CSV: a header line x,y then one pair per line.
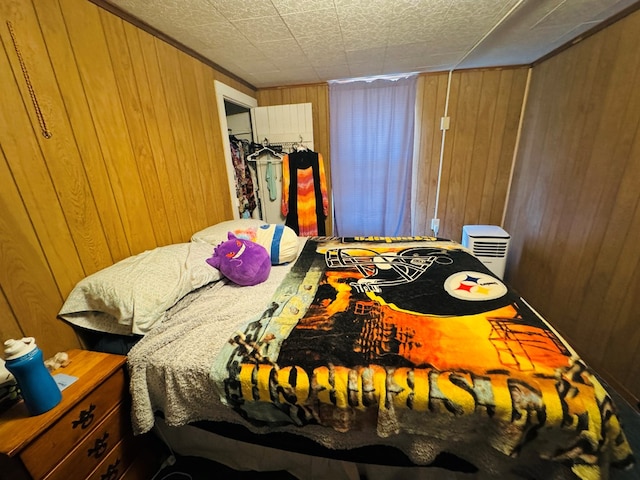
x,y
418,336
306,197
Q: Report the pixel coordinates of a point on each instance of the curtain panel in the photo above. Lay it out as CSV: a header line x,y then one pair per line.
x,y
372,133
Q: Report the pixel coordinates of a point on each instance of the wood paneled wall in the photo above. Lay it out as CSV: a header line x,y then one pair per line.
x,y
134,159
484,111
574,208
318,96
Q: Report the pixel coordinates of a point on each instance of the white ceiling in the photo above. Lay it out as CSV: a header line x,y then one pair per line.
x,y
288,42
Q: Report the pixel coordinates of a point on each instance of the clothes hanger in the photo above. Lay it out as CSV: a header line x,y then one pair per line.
x,y
265,148
300,146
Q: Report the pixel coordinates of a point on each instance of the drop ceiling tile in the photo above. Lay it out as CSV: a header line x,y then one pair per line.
x,y
377,7
570,13
412,8
243,9
219,34
313,23
365,69
411,50
334,72
366,55
420,63
256,66
321,43
487,11
168,12
399,37
360,40
281,48
285,7
365,18
326,59
289,77
248,54
264,29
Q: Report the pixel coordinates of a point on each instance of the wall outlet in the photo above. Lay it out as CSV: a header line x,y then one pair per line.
x,y
435,224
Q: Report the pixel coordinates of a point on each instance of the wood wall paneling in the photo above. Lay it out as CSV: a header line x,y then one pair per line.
x,y
91,52
135,158
77,108
574,207
24,146
162,135
9,327
30,294
192,78
142,155
484,110
216,209
152,156
430,98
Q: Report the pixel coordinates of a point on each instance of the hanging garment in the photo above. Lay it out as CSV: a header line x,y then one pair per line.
x,y
305,202
244,183
270,177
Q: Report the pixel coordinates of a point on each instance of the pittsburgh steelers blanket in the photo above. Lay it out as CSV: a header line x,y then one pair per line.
x,y
416,336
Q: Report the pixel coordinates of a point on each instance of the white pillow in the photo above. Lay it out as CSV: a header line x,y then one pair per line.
x,y
279,240
132,296
216,234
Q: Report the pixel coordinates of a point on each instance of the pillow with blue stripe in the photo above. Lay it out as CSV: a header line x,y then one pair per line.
x,y
279,240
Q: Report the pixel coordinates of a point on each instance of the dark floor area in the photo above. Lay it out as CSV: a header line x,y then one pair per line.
x,y
196,468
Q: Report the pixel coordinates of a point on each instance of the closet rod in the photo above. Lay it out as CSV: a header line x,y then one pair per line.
x,y
257,160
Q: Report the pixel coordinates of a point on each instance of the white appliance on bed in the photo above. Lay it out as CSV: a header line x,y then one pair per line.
x,y
490,244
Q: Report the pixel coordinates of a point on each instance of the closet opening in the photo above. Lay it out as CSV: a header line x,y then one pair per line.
x,y
234,109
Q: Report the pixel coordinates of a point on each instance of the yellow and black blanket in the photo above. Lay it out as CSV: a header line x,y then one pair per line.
x,y
416,336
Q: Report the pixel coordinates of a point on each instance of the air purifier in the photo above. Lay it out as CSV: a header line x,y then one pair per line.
x,y
490,244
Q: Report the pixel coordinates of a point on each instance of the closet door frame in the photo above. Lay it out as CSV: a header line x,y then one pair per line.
x,y
225,92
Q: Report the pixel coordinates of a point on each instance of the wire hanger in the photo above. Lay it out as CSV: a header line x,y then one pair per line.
x,y
300,146
265,148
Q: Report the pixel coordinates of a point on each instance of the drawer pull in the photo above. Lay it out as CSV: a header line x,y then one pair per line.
x,y
85,418
112,471
99,447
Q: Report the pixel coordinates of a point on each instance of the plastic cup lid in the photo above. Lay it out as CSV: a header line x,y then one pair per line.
x,y
17,348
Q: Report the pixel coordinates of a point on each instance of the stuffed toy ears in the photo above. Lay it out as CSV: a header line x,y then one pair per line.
x,y
214,262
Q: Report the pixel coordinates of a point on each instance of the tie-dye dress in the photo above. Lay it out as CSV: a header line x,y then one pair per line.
x,y
305,201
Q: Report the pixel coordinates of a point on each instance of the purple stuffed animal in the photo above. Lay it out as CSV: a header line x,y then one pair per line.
x,y
242,261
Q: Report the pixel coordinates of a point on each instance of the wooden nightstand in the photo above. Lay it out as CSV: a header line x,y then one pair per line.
x,y
87,436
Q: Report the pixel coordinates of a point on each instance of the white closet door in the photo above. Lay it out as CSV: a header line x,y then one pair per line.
x,y
279,124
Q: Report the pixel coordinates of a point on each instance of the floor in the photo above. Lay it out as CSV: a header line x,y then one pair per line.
x,y
195,468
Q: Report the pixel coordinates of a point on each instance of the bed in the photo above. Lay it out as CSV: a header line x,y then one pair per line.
x,y
389,351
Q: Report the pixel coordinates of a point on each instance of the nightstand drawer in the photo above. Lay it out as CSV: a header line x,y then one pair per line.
x,y
117,461
43,454
95,447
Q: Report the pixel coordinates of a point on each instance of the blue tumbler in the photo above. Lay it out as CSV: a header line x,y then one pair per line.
x,y
25,362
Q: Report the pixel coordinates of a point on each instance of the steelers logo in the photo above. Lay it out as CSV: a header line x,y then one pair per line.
x,y
474,286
